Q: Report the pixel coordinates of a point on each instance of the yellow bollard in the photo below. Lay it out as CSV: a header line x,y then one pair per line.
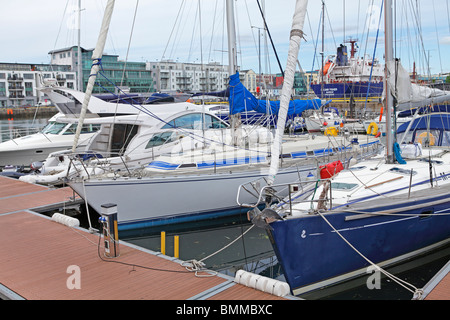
x,y
176,247
163,242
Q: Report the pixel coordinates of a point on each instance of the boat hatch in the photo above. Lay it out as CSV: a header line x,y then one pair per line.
x,y
402,171
342,186
432,161
357,168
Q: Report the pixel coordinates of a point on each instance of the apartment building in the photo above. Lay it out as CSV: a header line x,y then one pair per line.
x,y
169,76
132,76
19,82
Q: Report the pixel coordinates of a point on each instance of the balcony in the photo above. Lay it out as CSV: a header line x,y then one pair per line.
x,y
16,96
15,78
15,88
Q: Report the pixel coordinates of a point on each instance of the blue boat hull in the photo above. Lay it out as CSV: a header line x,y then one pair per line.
x,y
313,255
345,90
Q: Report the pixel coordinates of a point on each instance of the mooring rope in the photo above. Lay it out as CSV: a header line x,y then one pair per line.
x,y
416,291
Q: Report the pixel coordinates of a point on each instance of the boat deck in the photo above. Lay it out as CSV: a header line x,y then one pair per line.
x,y
45,260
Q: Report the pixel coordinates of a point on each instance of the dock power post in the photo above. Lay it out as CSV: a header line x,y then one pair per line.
x,y
110,230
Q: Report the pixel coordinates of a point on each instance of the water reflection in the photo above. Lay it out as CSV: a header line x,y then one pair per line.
x,y
253,252
10,129
251,249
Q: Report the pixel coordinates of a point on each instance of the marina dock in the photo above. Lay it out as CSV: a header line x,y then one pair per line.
x,y
438,288
46,260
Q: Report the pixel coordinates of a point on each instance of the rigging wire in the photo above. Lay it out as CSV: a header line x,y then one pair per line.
x,y
270,37
437,37
173,28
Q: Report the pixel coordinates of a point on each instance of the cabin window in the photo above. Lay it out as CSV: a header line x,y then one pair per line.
x,y
446,139
427,138
160,139
214,123
195,121
86,128
426,214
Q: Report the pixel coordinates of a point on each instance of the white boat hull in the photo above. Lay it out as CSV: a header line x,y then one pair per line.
x,y
153,201
37,147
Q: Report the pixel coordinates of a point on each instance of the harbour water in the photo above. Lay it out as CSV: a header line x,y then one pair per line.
x,y
252,249
13,127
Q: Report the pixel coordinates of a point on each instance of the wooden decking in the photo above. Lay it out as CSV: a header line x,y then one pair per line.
x,y
38,254
438,288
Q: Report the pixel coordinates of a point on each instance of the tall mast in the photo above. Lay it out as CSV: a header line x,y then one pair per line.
x,y
96,58
231,29
323,46
80,67
235,119
389,101
286,92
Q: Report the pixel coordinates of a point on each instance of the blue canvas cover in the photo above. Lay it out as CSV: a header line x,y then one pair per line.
x,y
242,100
436,121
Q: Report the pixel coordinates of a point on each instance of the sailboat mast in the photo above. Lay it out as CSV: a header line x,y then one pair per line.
x,y
231,30
235,119
96,57
389,100
80,67
286,92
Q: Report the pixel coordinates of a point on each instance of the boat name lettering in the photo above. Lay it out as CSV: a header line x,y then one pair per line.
x,y
303,234
443,176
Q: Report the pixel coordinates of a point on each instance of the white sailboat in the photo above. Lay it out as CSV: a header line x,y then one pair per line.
x,y
191,184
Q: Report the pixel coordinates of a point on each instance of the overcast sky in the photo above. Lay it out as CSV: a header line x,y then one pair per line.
x,y
171,29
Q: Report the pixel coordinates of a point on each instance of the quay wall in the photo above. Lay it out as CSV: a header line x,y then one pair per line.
x,y
27,112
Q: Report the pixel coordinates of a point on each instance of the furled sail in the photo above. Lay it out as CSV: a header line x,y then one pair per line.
x,y
294,47
411,95
96,57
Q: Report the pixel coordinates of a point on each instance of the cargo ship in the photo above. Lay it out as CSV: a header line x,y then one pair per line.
x,y
343,77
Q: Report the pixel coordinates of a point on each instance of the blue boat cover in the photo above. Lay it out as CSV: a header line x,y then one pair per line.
x,y
437,121
242,100
423,110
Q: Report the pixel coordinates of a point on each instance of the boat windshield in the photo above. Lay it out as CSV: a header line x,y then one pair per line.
x,y
160,139
53,128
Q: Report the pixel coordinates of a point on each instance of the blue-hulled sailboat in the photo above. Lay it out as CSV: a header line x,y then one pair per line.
x,y
375,213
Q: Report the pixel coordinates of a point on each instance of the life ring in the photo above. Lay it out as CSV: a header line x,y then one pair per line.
x,y
431,139
331,131
372,129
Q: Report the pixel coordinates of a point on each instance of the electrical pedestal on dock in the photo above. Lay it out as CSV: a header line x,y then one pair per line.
x,y
110,230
